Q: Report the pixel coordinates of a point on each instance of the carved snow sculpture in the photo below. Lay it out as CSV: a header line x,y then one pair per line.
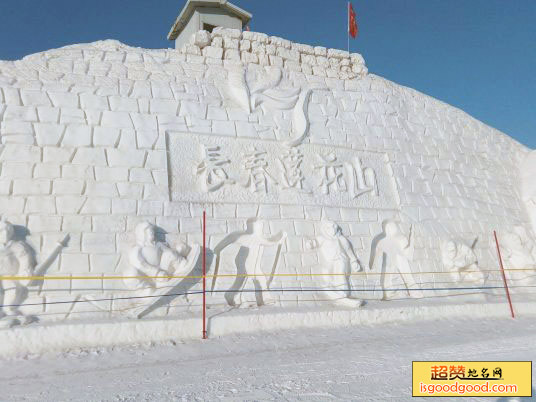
x,y
331,173
153,262
263,171
257,177
156,270
96,135
362,180
339,261
528,186
212,170
338,176
251,282
251,88
519,254
17,260
461,261
394,251
290,164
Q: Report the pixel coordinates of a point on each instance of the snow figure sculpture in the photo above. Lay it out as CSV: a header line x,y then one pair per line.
x,y
339,261
527,172
519,254
16,259
395,251
152,262
461,261
248,264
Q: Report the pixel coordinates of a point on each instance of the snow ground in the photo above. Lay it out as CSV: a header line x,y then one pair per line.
x,y
352,363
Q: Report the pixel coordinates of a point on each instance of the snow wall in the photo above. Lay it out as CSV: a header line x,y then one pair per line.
x,y
99,138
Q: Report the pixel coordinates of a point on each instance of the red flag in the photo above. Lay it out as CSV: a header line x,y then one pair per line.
x,y
352,22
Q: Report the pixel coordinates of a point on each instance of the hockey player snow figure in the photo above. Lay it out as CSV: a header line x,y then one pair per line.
x,y
248,264
395,251
460,259
339,261
16,260
519,253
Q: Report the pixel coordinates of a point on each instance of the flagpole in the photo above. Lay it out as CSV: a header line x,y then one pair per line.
x,y
348,26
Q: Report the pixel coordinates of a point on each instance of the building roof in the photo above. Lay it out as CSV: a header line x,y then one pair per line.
x,y
190,7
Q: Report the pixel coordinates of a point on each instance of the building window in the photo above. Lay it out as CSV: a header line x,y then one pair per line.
x,y
208,27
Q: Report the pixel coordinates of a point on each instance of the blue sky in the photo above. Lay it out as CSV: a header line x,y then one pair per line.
x,y
478,55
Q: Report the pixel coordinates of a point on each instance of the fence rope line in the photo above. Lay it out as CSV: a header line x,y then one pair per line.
x,y
111,277
266,290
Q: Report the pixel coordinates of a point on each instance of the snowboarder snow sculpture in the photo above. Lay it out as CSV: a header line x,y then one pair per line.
x,y
152,262
339,261
248,264
16,259
395,251
461,261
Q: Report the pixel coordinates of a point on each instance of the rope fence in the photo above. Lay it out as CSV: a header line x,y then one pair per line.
x,y
308,289
112,277
264,290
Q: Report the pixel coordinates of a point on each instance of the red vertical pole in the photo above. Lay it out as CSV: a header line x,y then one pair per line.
x,y
503,275
204,275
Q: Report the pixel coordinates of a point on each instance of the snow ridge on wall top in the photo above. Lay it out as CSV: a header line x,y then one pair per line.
x,y
110,68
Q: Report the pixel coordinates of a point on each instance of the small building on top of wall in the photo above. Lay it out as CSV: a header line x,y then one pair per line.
x,y
206,15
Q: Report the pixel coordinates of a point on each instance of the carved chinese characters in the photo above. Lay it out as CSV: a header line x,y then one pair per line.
x,y
257,177
291,170
211,170
243,170
345,176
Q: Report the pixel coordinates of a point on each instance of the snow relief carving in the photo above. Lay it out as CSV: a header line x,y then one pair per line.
x,y
461,261
528,186
291,170
244,170
392,256
154,264
519,254
339,261
257,177
251,88
17,260
251,286
345,176
211,170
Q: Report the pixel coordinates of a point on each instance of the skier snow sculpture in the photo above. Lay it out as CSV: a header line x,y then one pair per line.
x,y
248,264
395,251
339,261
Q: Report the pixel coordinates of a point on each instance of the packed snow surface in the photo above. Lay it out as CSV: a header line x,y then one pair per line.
x,y
352,363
